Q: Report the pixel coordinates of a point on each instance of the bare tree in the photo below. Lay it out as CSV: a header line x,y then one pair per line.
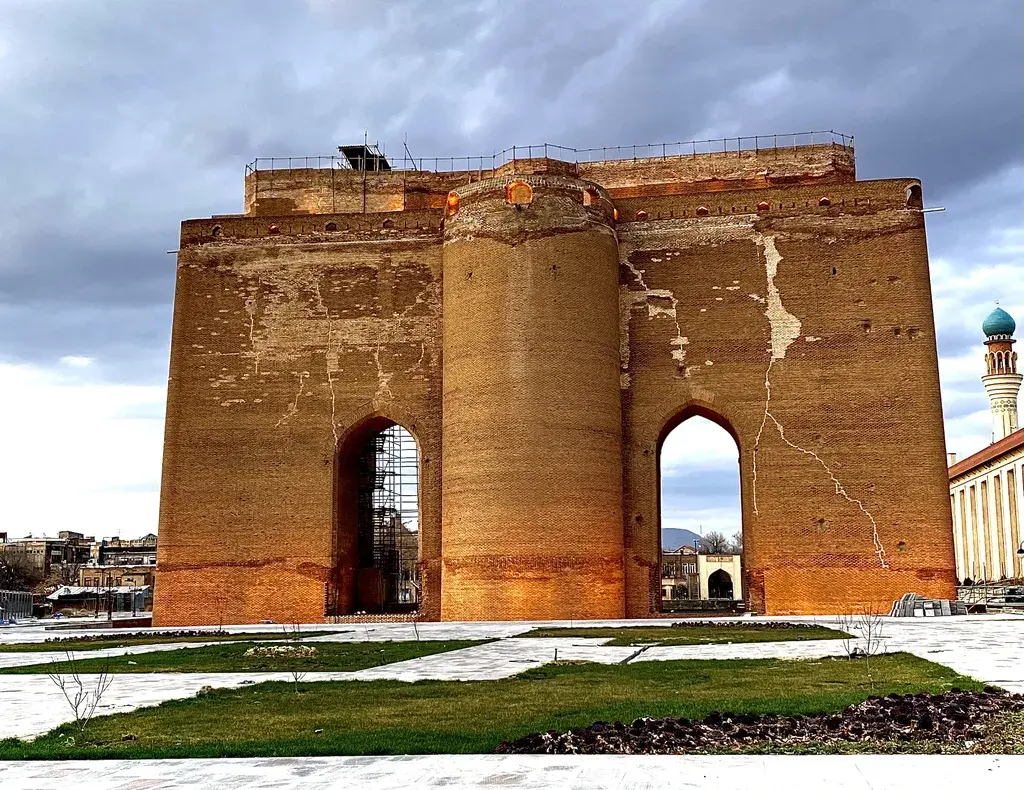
x,y
714,543
64,573
83,695
737,542
16,571
866,627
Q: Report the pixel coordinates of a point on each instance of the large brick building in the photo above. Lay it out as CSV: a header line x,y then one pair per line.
x,y
539,324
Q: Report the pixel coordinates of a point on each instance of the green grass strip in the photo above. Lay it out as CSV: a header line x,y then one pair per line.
x,y
691,635
427,717
127,640
330,657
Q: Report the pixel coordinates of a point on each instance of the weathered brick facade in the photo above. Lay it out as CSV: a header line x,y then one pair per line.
x,y
770,291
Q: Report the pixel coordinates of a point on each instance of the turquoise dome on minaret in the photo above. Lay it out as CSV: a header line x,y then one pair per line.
x,y
998,322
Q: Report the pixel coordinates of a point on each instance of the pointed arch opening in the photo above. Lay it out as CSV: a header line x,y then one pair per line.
x,y
699,507
376,552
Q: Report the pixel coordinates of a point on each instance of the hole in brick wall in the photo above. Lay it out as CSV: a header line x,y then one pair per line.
x,y
834,272
901,546
274,229
388,224
641,215
896,331
331,226
698,461
702,211
914,333
821,524
914,199
865,326
217,230
824,200
764,205
469,275
376,565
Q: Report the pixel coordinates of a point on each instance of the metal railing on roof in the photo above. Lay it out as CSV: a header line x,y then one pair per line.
x,y
441,164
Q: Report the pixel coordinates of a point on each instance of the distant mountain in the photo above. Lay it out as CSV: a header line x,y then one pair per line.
x,y
672,539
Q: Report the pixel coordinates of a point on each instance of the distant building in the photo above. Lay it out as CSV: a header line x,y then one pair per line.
x,y
40,554
679,574
687,575
76,600
720,577
116,576
985,488
119,551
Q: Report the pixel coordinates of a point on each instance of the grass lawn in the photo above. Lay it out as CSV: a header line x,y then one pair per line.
x,y
127,640
391,717
330,657
693,635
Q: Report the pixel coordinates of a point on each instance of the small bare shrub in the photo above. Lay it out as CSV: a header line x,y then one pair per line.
x,y
82,693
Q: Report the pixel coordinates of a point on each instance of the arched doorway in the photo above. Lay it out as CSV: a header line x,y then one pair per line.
x,y
720,586
700,509
376,551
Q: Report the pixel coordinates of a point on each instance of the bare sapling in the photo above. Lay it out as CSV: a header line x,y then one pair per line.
x,y
83,693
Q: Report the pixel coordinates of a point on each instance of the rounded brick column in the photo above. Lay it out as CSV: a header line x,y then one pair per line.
x,y
531,444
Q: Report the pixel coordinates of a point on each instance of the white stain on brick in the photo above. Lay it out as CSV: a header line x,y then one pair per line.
x,y
654,298
785,326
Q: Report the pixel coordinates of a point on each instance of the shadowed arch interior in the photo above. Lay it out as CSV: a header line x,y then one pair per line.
x,y
375,554
720,585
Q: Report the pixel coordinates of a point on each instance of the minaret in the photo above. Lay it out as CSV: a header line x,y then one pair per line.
x,y
1002,381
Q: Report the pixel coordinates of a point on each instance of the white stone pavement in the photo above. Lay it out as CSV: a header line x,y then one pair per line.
x,y
525,772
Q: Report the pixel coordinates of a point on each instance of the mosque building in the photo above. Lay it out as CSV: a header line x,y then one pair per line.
x,y
985,490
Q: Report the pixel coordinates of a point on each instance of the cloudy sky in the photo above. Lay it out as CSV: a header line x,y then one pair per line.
x,y
120,118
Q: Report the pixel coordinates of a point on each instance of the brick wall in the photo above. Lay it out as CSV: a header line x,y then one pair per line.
x,y
547,382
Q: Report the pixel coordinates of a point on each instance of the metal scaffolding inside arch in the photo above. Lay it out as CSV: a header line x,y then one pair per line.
x,y
388,522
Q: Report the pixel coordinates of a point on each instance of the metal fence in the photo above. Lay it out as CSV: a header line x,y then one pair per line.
x,y
722,145
14,605
998,595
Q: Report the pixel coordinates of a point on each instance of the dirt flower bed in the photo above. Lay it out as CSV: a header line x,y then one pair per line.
x,y
107,636
953,716
282,651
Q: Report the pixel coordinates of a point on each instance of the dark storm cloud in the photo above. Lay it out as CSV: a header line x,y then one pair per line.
x,y
122,118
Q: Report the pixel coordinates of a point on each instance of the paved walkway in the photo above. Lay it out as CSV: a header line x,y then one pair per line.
x,y
525,772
